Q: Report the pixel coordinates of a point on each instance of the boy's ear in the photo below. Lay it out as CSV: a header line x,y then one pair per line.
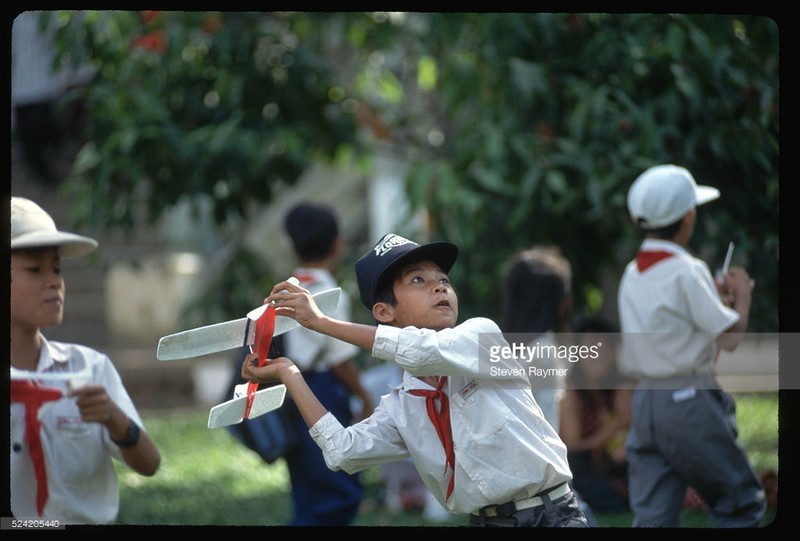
x,y
383,312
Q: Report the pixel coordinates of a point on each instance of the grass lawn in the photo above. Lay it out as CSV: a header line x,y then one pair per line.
x,y
208,478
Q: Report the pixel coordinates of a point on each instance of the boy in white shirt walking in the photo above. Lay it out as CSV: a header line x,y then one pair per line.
x,y
674,322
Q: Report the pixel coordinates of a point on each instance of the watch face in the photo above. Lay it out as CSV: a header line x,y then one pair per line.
x,y
131,436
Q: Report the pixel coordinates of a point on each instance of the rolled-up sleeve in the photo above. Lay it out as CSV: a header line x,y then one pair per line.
x,y
456,351
385,345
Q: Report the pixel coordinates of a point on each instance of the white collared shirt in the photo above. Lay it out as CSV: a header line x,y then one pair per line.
x,y
81,479
670,315
311,350
505,449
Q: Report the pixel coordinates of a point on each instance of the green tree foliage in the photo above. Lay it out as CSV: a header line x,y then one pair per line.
x,y
546,119
519,128
228,105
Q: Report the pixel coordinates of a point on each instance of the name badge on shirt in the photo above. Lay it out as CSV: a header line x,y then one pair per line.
x,y
684,394
468,390
72,425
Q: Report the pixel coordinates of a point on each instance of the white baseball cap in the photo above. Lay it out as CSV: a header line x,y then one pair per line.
x,y
663,194
32,227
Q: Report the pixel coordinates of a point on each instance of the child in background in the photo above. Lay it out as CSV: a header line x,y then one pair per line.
x,y
538,302
321,497
595,416
674,323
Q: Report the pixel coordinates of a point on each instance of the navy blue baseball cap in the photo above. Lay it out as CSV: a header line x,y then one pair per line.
x,y
393,251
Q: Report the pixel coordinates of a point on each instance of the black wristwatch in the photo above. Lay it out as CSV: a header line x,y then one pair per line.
x,y
131,437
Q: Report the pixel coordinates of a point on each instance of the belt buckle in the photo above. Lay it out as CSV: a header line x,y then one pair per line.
x,y
509,508
556,492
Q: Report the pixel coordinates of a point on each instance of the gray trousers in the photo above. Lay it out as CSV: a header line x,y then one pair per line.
x,y
685,434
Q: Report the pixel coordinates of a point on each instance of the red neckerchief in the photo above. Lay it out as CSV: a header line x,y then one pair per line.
x,y
305,278
33,395
647,258
441,420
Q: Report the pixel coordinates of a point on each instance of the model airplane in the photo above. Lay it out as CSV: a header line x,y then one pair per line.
x,y
233,334
257,329
72,379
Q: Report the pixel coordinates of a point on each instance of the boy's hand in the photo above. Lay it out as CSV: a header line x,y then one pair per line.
x,y
294,301
736,284
95,406
271,371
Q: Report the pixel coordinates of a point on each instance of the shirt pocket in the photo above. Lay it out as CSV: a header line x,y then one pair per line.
x,y
477,412
77,449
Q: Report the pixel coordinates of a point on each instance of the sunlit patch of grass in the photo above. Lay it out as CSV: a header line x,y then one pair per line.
x,y
206,477
757,418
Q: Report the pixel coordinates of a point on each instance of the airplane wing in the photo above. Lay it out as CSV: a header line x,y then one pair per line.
x,y
235,333
233,411
73,379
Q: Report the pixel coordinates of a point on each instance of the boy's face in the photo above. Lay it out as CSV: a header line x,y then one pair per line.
x,y
37,288
425,298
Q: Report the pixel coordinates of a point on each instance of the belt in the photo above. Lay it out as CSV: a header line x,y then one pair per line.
x,y
509,508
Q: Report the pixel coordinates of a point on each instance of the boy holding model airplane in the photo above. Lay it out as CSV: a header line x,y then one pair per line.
x,y
70,412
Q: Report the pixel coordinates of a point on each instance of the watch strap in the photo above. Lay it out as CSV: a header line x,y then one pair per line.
x,y
131,436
